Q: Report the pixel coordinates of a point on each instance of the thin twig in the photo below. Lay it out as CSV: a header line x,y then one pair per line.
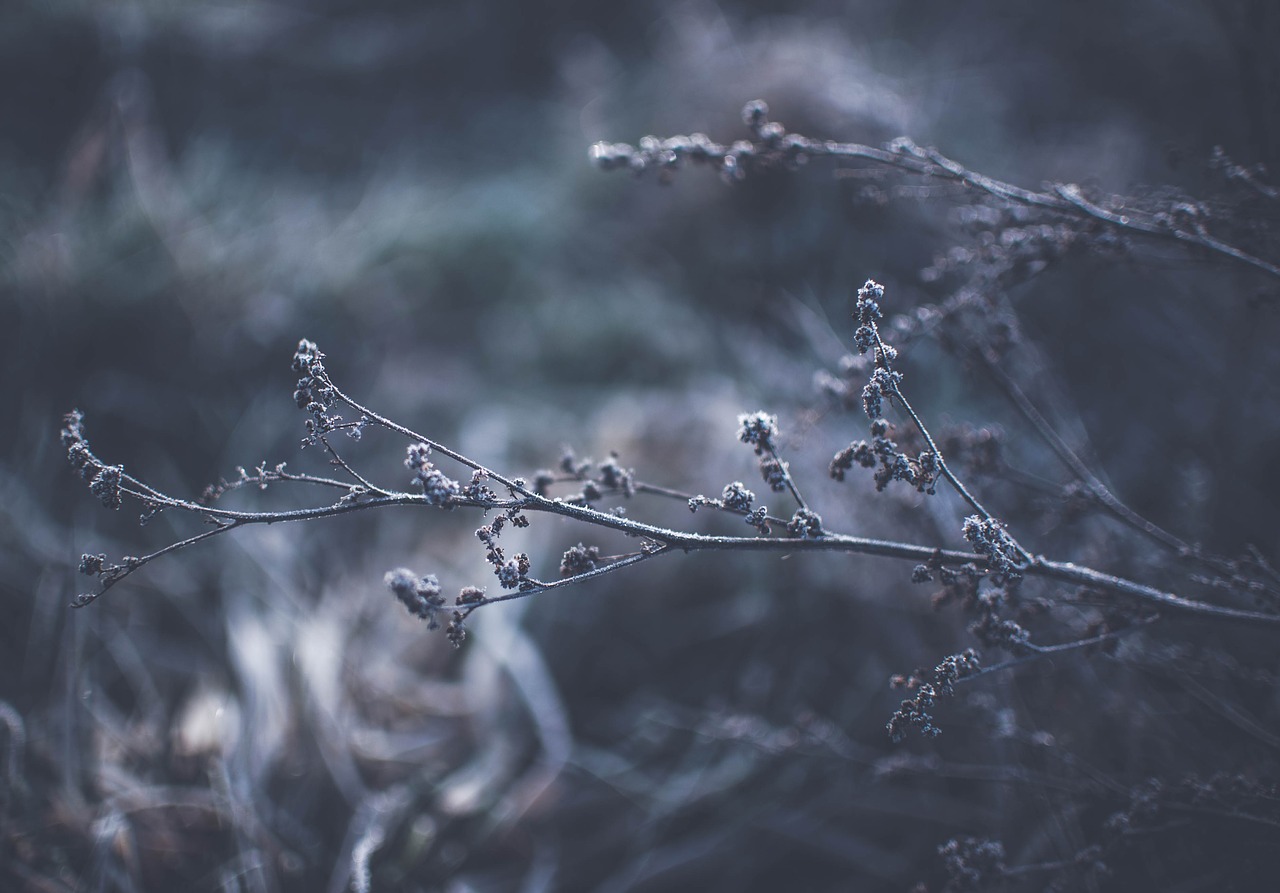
x,y
342,463
882,357
1039,652
786,477
1097,489
539,587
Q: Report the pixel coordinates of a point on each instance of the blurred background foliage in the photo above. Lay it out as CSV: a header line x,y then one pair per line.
x,y
186,189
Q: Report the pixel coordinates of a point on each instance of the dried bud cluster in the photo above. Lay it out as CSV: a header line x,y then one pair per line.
x,y
512,573
759,430
916,711
921,471
734,498
436,485
423,599
805,525
973,863
420,595
990,539
579,559
314,392
104,480
771,146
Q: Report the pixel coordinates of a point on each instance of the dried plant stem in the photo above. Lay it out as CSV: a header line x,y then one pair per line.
x,y
665,539
1039,652
904,154
1098,490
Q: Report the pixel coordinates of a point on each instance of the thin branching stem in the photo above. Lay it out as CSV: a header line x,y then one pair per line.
x,y
1039,652
787,478
904,154
1098,490
342,463
882,356
540,587
385,422
664,539
687,541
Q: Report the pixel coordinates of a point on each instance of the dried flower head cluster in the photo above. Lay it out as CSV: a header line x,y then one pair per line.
x,y
436,485
990,539
104,480
420,595
314,393
892,464
972,863
915,712
771,146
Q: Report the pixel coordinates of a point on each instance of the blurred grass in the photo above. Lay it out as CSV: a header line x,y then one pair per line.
x,y
187,189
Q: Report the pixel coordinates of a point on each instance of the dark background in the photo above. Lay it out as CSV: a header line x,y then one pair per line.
x,y
188,189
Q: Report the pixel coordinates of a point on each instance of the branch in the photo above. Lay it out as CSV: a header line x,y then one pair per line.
x,y
772,146
524,499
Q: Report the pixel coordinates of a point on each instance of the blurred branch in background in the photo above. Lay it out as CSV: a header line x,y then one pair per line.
x,y
771,145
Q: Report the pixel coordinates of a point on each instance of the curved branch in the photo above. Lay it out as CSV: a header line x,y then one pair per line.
x,y
773,146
